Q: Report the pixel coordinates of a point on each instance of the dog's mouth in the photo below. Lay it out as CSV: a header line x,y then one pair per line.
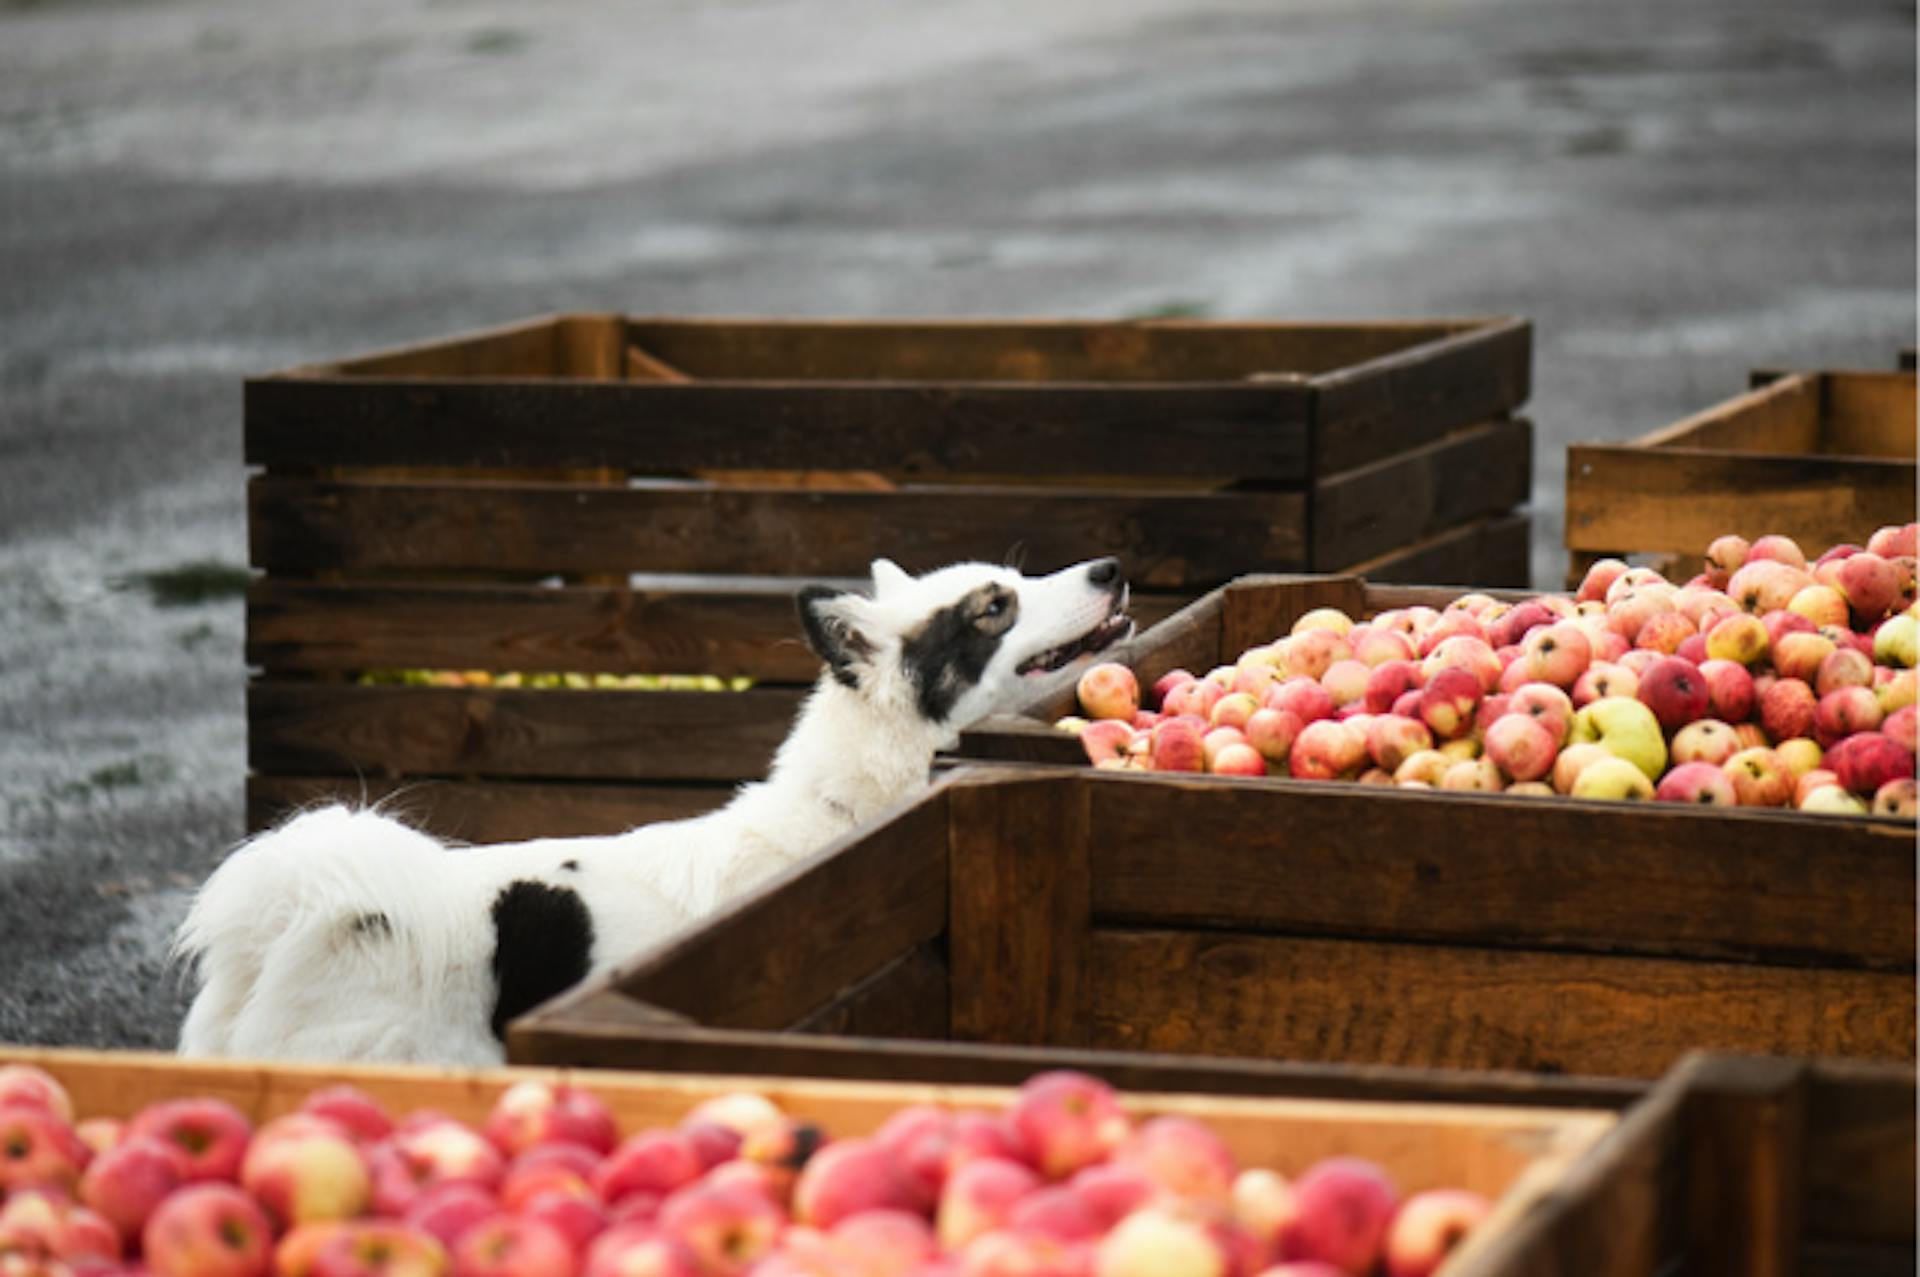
x,y
1116,626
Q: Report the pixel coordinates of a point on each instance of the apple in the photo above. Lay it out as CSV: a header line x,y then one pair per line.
x,y
1572,760
1381,646
1323,618
1388,682
1310,653
1472,775
852,1175
1900,727
1631,612
379,1248
1598,578
1665,633
1521,747
1238,759
1612,778
1261,1201
1112,1192
1759,778
1844,711
983,1134
1846,667
1870,585
1392,739
1781,623
360,1114
1463,651
1730,690
1233,710
1196,697
212,1134
1787,708
1176,745
1865,762
890,1243
1328,750
979,1197
1182,1156
1164,685
638,1250
1701,783
1557,654
1897,798
1302,697
652,1161
1424,766
728,1229
1799,755
1777,548
207,1229
304,1168
1895,688
1547,705
1429,1226
1832,800
1799,654
512,1246
1625,728
1344,1206
1105,740
39,1150
1451,624
1896,641
1447,701
1741,638
41,1223
1158,1243
1892,540
448,1210
30,1086
1604,679
1675,691
1068,1120
1272,732
561,1166
1109,690
1821,604
1725,556
126,1182
537,1111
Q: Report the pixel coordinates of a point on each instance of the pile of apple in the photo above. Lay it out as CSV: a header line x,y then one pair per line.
x,y
1062,1183
1765,681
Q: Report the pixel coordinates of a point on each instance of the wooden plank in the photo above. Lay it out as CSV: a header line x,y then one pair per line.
x,y
907,998
902,429
1256,610
525,349
321,729
1439,1006
1426,1145
1401,400
1492,553
1296,857
769,960
1376,509
1620,499
481,812
1744,1126
1869,414
1130,351
592,346
713,625
1782,416
1164,542
358,626
1860,1154
1017,909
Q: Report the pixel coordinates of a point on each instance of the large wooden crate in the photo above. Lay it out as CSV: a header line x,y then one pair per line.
x,y
1823,457
1515,1156
601,494
1075,909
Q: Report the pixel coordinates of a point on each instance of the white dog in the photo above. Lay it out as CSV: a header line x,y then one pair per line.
x,y
346,935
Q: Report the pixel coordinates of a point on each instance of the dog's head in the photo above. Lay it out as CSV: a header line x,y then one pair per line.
x,y
960,643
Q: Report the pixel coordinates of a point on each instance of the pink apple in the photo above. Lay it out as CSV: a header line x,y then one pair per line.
x,y
363,1116
1105,740
1310,653
1429,1226
543,1168
1846,667
1451,624
1725,556
1781,549
1665,633
538,1112
1344,1206
853,1175
1629,614
1598,578
1447,701
1701,783
426,1149
1463,651
1513,626
303,1168
1233,710
1675,691
38,1150
447,1210
890,1243
1705,740
1892,540
1844,711
1112,1192
983,1134
1546,704
1272,732
1603,679
1759,778
1239,759
1521,747
1787,709
1303,697
513,1246
1196,697
1865,762
1109,690
1391,740
126,1182
1184,1157
1165,684
30,1086
1328,750
1068,1120
1557,654
1870,585
727,1229
1799,654
1902,726
212,1133
652,1161
1730,691
639,1250
380,1248
1389,681
1176,745
207,1229
979,1197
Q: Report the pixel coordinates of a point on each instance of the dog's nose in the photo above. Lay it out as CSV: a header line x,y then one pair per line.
x,y
1104,572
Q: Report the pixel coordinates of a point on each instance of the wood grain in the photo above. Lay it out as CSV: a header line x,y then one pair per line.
x,y
1860,1154
387,732
906,998
1782,416
1407,497
1489,554
1168,542
481,812
1869,414
1451,1007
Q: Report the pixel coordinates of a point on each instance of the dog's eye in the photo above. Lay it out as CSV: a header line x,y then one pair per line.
x,y
997,606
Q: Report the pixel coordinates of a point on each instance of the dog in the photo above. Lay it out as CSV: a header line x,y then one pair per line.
x,y
345,934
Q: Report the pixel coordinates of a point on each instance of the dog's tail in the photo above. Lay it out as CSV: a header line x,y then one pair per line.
x,y
289,908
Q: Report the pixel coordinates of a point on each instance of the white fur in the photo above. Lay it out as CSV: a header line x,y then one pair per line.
x,y
289,968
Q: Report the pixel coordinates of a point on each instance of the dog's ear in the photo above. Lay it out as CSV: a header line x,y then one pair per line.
x,y
838,629
888,577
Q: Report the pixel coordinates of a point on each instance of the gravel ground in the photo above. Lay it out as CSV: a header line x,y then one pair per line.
x,y
196,190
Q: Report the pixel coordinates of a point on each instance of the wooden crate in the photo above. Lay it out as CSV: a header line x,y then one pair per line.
x,y
597,493
1823,457
1738,1167
1515,1156
1082,910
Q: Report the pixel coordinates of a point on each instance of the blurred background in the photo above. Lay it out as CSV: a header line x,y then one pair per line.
x,y
192,191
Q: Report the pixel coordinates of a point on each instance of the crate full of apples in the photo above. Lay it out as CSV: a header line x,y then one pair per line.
x,y
1767,680
1061,1180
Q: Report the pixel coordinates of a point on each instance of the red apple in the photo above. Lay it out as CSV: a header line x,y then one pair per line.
x,y
1302,697
1109,690
1844,711
449,1210
1675,691
379,1248
1701,783
979,1197
540,1112
1238,759
1068,1120
1778,548
514,1246
1845,667
639,1250
1106,741
853,1175
726,1229
39,1150
207,1229
303,1168
1392,739
1868,761
1759,778
1870,585
1447,702
1725,556
1429,1226
1328,750
1521,747
1112,1192
1344,1206
656,1162
1599,578
1176,746
1730,691
363,1116
1786,709
30,1086
1056,1211
1272,732
212,1134
129,1180
889,1243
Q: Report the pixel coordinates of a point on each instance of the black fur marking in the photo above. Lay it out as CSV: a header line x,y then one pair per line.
x,y
570,866
543,937
948,654
368,924
830,637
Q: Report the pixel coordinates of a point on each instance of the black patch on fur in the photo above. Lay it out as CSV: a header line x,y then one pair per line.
x,y
833,641
948,654
543,937
370,924
570,866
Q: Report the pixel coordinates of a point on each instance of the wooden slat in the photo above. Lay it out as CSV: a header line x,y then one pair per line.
x,y
488,811
1620,499
1017,906
591,346
1869,414
1399,401
528,349
1860,1154
1782,416
906,998
770,960
1449,1007
1427,1145
1744,1131
1492,553
1410,496
711,625
1295,857
1259,609
902,429
1129,351
319,729
1168,542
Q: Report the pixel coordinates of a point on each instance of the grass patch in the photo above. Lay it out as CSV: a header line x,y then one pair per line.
x,y
192,584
